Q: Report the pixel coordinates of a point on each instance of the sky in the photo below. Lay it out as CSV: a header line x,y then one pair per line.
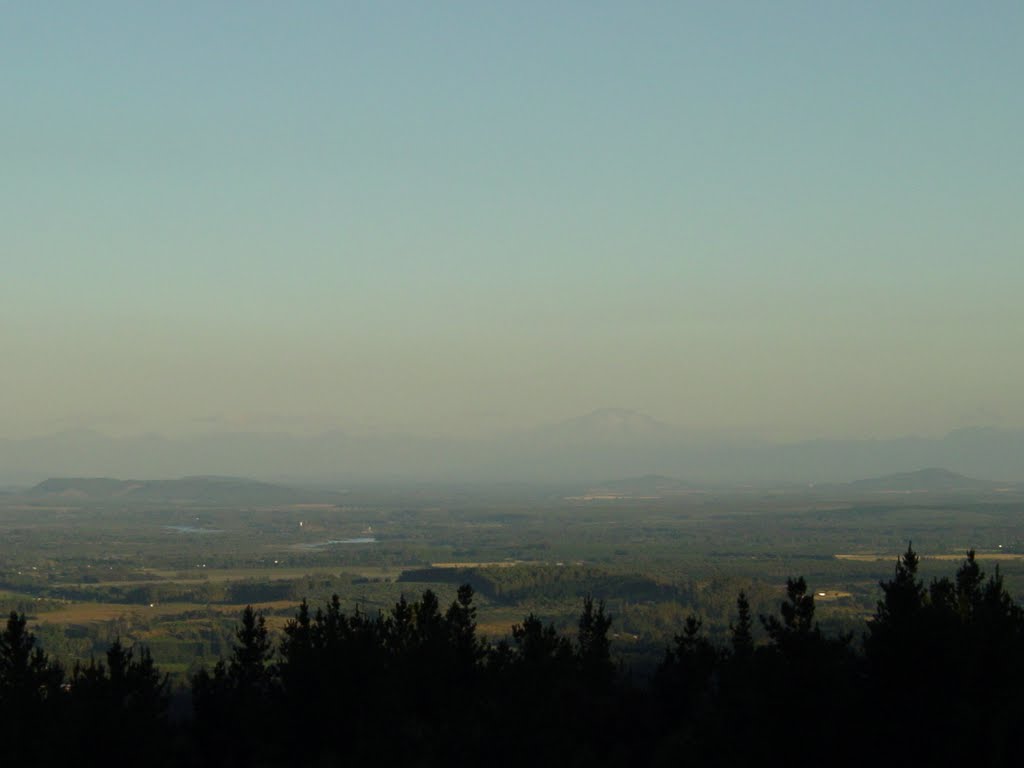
x,y
790,220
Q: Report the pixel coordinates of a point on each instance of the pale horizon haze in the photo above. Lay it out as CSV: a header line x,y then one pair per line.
x,y
788,220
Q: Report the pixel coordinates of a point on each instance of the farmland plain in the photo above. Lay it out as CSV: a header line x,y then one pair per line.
x,y
88,563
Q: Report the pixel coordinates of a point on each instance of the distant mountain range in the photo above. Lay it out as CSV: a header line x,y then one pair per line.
x,y
584,450
221,491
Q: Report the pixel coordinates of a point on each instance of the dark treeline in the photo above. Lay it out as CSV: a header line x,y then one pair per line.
x,y
940,679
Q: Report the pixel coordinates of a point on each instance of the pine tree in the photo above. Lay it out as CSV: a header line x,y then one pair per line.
x,y
247,668
538,646
969,579
894,630
460,620
23,666
903,596
797,616
742,632
234,704
593,646
30,694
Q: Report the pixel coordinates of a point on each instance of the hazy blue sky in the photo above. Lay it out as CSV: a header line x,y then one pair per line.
x,y
794,219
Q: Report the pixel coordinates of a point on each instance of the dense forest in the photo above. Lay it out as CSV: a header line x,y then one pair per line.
x,y
937,676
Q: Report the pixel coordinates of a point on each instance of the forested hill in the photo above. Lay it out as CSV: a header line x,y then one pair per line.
x,y
937,680
931,480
